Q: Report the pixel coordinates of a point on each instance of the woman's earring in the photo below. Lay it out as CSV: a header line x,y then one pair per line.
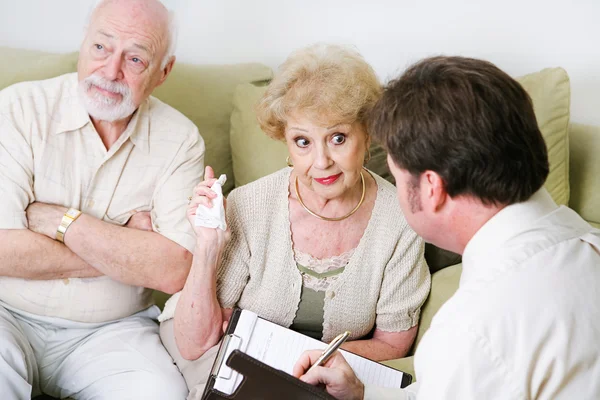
x,y
288,162
368,157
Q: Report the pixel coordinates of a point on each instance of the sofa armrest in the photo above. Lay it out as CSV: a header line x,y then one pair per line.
x,y
584,172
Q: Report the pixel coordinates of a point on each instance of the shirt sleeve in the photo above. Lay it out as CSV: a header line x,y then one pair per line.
x,y
169,210
405,286
233,273
16,171
461,364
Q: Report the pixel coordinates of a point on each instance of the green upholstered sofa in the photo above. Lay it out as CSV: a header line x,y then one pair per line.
x,y
220,100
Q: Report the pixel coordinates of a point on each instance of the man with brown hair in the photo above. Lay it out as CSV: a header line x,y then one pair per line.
x,y
469,162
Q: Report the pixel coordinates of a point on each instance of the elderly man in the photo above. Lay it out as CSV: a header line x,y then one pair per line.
x,y
469,162
94,180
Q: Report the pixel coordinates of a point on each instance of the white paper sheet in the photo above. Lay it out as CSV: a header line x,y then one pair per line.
x,y
280,348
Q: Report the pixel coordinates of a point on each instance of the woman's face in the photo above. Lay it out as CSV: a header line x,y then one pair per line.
x,y
327,159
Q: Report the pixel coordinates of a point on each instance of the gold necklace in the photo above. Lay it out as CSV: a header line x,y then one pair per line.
x,y
314,214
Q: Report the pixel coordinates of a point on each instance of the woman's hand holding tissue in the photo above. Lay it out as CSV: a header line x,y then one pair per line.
x,y
206,211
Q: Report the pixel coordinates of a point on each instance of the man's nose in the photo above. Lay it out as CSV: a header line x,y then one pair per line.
x,y
113,68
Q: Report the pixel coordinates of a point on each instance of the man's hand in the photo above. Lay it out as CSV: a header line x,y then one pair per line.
x,y
140,220
45,218
336,375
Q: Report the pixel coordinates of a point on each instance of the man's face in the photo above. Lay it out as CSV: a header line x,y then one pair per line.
x,y
120,60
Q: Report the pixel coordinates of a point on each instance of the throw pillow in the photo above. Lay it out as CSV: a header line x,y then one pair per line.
x,y
551,95
204,94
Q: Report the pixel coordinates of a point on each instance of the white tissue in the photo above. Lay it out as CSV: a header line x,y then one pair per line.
x,y
169,310
213,217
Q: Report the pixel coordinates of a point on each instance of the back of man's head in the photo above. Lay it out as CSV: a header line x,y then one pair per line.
x,y
469,122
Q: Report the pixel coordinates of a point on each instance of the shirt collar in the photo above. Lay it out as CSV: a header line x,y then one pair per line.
x,y
506,224
74,116
71,114
139,127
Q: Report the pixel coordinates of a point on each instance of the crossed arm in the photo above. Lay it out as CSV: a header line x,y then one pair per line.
x,y
139,257
92,248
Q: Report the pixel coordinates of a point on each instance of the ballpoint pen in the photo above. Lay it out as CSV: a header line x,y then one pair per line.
x,y
332,348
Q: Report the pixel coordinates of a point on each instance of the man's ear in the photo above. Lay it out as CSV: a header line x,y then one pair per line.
x,y
166,71
434,189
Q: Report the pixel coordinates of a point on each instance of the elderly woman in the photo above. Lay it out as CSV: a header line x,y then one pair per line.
x,y
321,246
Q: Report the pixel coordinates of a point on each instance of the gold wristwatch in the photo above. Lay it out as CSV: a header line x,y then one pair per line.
x,y
67,219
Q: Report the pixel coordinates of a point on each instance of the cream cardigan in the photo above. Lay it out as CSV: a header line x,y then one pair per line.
x,y
384,284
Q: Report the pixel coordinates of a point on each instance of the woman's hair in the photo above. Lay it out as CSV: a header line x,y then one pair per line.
x,y
328,84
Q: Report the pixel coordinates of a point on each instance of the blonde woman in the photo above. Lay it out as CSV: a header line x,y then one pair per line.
x,y
321,246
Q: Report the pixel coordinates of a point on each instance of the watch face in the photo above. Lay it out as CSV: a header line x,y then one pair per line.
x,y
72,213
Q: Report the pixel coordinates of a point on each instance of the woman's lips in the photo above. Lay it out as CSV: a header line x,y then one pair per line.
x,y
328,180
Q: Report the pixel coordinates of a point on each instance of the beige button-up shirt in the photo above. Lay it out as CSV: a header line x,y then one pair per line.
x,y
51,153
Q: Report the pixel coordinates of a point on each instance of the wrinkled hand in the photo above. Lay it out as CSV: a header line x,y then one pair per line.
x,y
141,220
44,218
337,376
203,194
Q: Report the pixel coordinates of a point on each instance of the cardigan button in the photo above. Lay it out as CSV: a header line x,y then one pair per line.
x,y
330,295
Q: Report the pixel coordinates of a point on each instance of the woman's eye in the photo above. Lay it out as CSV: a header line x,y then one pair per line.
x,y
338,138
302,142
136,60
99,47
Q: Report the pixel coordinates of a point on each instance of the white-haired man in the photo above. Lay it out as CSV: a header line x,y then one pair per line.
x,y
94,180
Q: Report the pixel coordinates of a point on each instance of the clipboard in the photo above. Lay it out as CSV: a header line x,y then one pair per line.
x,y
262,382
247,377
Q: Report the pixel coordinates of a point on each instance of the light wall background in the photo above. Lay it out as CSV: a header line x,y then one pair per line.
x,y
520,36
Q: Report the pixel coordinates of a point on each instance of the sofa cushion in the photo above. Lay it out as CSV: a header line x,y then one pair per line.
x,y
204,94
20,65
585,172
254,153
550,92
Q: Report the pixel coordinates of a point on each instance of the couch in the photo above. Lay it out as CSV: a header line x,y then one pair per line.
x,y
220,99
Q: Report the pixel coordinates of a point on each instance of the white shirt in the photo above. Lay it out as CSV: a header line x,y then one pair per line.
x,y
51,153
525,321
